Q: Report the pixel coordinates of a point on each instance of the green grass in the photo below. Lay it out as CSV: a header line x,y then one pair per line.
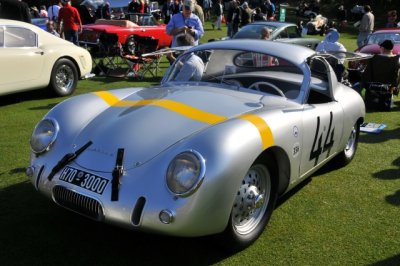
x,y
347,216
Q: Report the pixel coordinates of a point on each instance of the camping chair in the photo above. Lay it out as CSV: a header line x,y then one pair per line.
x,y
105,53
144,60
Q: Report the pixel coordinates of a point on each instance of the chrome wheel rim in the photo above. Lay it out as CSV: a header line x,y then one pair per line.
x,y
351,143
65,78
251,200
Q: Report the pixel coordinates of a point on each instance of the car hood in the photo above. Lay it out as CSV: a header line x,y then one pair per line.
x,y
375,49
149,121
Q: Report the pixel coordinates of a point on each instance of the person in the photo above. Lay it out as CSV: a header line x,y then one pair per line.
x,y
246,14
106,11
236,18
381,78
133,6
229,7
198,10
35,12
331,44
366,26
167,10
16,10
43,12
51,28
70,23
259,15
53,10
185,22
265,33
191,66
392,19
218,9
341,16
207,6
383,67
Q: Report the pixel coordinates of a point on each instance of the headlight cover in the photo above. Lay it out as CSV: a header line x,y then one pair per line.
x,y
185,173
44,135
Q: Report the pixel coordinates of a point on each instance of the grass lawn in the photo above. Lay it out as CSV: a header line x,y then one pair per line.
x,y
347,216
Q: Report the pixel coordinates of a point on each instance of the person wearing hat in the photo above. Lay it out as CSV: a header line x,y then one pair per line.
x,y
366,26
332,45
69,22
185,22
383,68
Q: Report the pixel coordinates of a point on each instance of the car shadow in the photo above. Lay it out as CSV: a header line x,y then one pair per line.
x,y
25,96
34,228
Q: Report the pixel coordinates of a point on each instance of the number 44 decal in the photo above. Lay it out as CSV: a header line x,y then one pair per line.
x,y
318,149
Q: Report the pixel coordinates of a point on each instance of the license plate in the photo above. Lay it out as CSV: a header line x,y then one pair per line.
x,y
84,179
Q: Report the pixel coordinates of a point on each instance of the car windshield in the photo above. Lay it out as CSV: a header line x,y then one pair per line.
x,y
252,31
377,38
238,70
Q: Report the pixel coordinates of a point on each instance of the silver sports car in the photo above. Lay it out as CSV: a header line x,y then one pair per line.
x,y
205,156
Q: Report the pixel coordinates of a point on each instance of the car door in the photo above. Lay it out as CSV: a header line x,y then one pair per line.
x,y
21,59
322,120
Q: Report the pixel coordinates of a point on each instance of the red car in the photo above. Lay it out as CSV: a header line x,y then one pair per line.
x,y
372,44
144,25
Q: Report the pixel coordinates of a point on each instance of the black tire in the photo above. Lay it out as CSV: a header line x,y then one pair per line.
x,y
130,45
64,77
249,216
347,155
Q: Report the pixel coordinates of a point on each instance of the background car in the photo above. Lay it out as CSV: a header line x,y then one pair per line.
x,y
32,58
281,31
372,47
144,25
199,157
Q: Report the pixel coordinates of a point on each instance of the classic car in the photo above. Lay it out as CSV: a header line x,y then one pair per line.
x,y
135,24
32,58
199,157
280,31
372,45
118,7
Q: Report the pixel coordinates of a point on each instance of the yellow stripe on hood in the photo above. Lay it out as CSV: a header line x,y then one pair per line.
x,y
192,113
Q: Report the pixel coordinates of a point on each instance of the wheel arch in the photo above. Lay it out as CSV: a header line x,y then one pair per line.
x,y
68,58
277,161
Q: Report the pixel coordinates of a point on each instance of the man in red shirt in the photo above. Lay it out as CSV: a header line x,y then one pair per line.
x,y
69,21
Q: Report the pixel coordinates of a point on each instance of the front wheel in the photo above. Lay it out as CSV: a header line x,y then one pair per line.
x,y
64,77
251,210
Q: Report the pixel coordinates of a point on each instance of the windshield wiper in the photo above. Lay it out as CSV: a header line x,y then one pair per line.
x,y
67,158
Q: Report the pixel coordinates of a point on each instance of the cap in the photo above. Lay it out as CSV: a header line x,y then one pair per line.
x,y
188,4
245,5
332,36
387,44
65,1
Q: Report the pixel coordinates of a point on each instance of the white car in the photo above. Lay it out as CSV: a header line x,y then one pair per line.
x,y
32,58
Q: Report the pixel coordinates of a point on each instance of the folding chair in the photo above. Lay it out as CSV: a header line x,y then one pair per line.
x,y
144,61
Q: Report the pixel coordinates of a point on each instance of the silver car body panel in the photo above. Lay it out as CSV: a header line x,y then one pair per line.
x,y
229,126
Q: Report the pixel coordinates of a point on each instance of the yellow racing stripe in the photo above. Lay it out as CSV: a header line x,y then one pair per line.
x,y
192,113
265,132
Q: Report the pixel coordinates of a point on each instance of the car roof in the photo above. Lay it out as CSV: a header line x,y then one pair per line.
x,y
290,52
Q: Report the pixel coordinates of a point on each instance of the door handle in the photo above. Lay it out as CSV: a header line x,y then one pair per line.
x,y
39,52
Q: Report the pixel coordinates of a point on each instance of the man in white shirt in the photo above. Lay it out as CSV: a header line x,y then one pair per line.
x,y
53,10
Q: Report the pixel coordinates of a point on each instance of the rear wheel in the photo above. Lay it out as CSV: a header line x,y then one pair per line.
x,y
252,209
347,155
64,77
130,45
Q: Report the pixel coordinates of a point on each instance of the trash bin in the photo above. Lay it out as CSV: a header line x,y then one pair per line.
x,y
282,12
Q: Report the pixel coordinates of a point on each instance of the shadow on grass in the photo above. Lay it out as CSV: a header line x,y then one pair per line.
x,y
35,231
385,135
14,98
395,260
391,174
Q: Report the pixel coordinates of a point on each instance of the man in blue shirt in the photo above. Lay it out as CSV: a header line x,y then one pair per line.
x,y
185,22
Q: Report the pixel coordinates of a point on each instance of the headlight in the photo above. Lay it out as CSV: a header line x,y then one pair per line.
x,y
185,173
44,134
